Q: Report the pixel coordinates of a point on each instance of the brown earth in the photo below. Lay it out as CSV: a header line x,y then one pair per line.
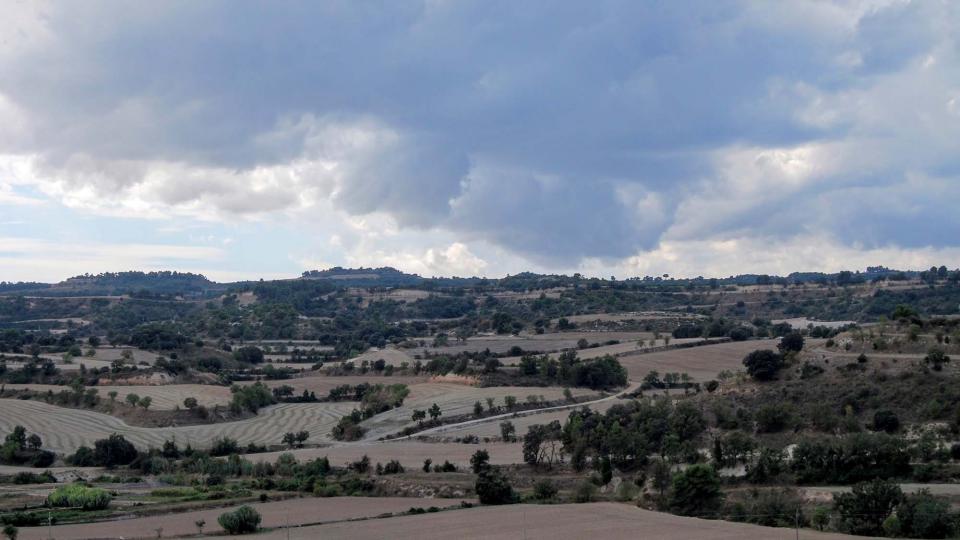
x,y
702,363
292,511
608,521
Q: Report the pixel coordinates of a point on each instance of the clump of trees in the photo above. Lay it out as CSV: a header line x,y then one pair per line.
x,y
569,370
20,449
110,452
763,365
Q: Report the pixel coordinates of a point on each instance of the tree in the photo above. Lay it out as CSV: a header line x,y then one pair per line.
x,y
479,461
434,412
10,532
34,442
114,450
241,521
289,439
133,399
426,464
864,509
510,402
791,342
418,416
924,516
696,491
508,432
478,409
301,437
886,420
712,386
249,355
937,358
190,403
112,395
199,524
763,365
145,402
492,488
490,406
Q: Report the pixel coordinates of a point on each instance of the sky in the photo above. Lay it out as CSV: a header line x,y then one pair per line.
x,y
246,140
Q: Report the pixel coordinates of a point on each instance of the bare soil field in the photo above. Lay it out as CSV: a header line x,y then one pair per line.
x,y
275,514
163,397
629,316
701,363
551,522
409,453
618,349
803,322
390,355
116,353
551,342
64,430
322,384
453,400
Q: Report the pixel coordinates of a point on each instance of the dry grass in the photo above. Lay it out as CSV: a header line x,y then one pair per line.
x,y
553,522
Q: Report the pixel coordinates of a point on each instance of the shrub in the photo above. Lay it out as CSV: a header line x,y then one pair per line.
x,y
763,365
886,421
544,490
243,520
492,488
79,496
114,450
696,491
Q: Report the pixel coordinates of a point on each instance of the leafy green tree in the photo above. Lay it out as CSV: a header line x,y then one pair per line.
x,y
480,461
864,509
763,365
792,342
922,515
493,488
696,491
886,420
434,412
508,432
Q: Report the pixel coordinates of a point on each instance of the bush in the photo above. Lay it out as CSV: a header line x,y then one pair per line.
x,y
864,510
763,365
773,418
243,520
696,491
79,496
886,421
544,490
492,488
114,450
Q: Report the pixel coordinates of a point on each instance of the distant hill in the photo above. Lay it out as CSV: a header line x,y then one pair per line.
x,y
365,277
133,283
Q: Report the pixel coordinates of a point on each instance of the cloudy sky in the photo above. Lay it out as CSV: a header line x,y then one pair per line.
x,y
260,139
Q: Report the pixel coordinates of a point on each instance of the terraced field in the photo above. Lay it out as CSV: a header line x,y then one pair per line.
x,y
701,363
274,514
63,430
609,521
409,453
164,397
453,400
618,349
322,384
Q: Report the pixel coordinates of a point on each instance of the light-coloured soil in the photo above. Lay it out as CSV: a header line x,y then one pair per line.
x,y
454,400
115,353
322,384
618,349
409,453
550,342
163,397
702,363
801,323
274,514
391,355
609,521
64,430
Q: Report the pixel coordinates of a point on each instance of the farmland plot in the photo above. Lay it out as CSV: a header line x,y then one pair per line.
x,y
605,520
163,397
64,430
409,453
274,514
701,363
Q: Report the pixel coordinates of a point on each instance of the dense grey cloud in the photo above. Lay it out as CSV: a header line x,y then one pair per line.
x,y
560,131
